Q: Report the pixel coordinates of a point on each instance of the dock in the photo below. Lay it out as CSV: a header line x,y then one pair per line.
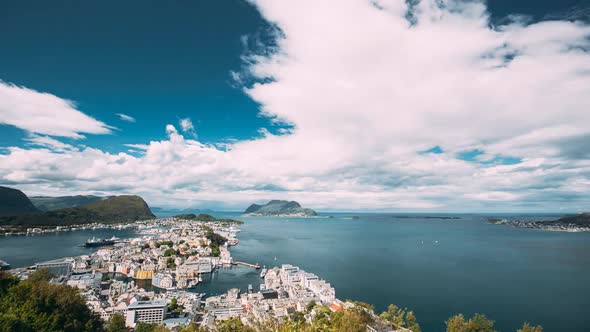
x,y
256,266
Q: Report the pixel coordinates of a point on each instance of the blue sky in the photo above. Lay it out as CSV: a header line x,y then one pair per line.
x,y
259,100
153,61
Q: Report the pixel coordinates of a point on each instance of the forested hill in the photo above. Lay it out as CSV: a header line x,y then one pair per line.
x,y
14,202
114,209
47,203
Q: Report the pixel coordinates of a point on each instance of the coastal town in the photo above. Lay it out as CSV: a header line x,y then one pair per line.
x,y
173,255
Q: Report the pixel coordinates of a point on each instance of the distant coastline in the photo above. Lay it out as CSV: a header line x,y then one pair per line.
x,y
570,224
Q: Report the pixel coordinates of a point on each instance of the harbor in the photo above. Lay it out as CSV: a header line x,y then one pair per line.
x,y
328,248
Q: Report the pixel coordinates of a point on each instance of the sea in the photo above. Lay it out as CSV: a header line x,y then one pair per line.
x,y
433,266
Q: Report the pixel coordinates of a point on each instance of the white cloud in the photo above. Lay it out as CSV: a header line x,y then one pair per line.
x,y
363,99
187,127
44,113
48,142
125,117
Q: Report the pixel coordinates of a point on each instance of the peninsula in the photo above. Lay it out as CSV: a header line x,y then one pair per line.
x,y
116,209
570,223
279,208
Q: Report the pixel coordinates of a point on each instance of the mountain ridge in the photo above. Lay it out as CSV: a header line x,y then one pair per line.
x,y
49,203
14,202
115,209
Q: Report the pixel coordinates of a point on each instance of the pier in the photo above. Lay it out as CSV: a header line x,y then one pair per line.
x,y
256,266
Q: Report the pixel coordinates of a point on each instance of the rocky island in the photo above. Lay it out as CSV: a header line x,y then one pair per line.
x,y
279,208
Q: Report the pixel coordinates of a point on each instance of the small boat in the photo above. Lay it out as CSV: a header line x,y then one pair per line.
x,y
263,272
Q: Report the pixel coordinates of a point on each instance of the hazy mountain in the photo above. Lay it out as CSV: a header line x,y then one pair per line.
x,y
47,203
279,208
14,202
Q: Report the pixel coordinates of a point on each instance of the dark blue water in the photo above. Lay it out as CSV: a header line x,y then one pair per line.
x,y
435,267
26,250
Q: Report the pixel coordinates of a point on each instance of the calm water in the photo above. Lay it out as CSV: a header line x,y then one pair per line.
x,y
435,267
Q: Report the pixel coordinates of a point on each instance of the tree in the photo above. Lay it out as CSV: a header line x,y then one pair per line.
x,y
193,327
478,323
412,322
6,281
456,324
394,316
310,306
173,304
233,324
117,324
528,328
37,305
41,275
149,327
169,252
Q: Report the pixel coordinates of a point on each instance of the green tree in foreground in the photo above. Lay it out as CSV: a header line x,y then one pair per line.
x,y
150,327
117,324
478,323
233,324
37,305
528,328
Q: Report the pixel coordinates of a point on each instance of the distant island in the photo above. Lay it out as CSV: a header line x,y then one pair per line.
x,y
18,210
207,218
570,223
279,208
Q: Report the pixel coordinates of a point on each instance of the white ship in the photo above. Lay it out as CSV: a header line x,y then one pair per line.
x,y
263,272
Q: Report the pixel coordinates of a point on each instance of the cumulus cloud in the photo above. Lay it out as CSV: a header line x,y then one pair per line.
x,y
125,117
186,125
44,113
365,102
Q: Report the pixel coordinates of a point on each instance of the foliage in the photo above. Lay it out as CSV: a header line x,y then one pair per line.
x,y
529,328
117,324
169,252
6,282
478,323
114,209
412,322
310,306
173,304
149,327
37,305
233,324
41,275
215,238
170,263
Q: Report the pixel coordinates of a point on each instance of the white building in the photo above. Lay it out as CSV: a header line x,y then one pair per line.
x,y
146,311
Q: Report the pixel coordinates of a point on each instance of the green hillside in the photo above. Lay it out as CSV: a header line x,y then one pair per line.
x,y
114,209
14,202
47,203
